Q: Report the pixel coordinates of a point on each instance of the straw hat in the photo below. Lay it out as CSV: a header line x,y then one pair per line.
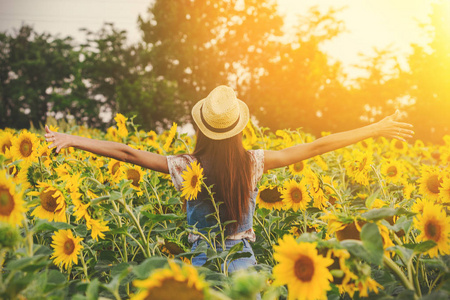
x,y
220,115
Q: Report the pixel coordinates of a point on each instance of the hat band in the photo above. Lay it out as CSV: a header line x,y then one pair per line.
x,y
217,130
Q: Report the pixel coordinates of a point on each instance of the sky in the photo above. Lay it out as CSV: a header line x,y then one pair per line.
x,y
369,23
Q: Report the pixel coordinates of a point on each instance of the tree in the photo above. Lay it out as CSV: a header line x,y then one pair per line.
x,y
38,74
200,44
429,79
299,82
120,77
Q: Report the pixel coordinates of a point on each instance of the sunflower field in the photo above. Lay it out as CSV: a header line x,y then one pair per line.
x,y
366,221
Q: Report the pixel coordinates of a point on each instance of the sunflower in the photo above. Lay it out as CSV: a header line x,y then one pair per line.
x,y
80,209
44,155
358,166
419,204
368,285
249,136
294,195
192,181
302,269
114,168
136,175
173,283
66,248
398,146
350,231
392,170
430,182
408,189
112,134
434,225
170,137
444,190
269,197
298,168
366,145
11,202
53,204
25,147
6,140
121,125
98,227
342,275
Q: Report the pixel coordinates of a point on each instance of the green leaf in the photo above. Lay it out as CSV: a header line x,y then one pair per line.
x,y
115,195
384,212
356,248
92,290
44,225
371,198
81,230
173,201
160,218
401,251
143,270
29,264
237,247
373,243
421,247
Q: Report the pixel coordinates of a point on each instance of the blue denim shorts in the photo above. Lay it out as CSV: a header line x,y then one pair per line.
x,y
237,264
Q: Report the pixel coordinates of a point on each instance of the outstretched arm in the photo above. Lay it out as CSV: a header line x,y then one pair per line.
x,y
388,127
114,150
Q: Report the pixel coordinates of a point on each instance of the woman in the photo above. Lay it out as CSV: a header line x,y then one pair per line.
x,y
233,171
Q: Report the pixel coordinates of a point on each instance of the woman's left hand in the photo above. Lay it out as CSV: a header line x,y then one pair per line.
x,y
391,128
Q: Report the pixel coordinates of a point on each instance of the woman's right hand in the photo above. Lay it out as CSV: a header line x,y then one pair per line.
x,y
58,140
389,127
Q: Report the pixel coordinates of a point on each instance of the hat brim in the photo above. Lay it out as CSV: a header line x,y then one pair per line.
x,y
244,116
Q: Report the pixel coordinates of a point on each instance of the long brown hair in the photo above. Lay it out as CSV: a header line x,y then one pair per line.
x,y
227,164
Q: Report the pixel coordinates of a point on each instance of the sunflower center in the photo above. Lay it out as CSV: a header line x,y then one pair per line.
x,y
26,147
433,231
172,289
398,145
115,168
433,184
332,200
194,181
6,202
392,171
304,268
134,175
69,246
13,171
270,195
296,195
298,167
362,164
6,146
48,202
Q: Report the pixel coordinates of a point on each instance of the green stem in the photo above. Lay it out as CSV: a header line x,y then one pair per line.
x,y
399,274
434,283
138,226
124,254
416,277
381,184
29,235
156,195
265,230
84,267
222,233
185,145
134,239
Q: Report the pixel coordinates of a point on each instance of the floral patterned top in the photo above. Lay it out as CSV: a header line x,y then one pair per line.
x,y
177,164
